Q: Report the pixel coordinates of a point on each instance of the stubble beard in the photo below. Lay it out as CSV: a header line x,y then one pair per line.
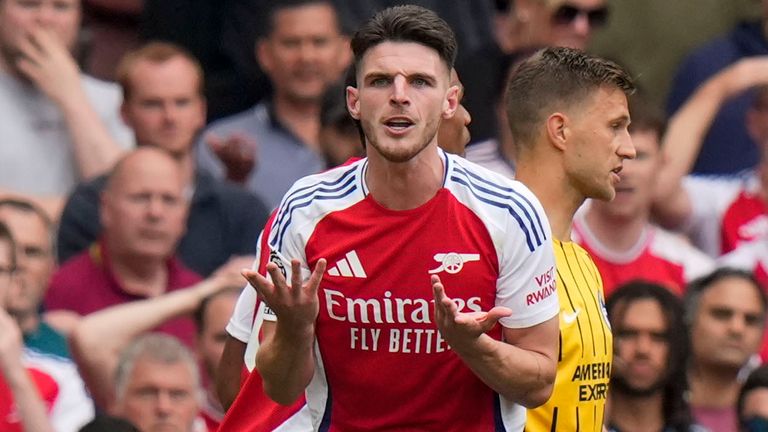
x,y
401,153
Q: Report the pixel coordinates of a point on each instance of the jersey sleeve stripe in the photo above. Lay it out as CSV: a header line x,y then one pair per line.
x,y
319,192
473,182
302,192
504,190
316,196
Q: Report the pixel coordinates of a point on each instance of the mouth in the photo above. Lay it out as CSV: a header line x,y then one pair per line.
x,y
398,125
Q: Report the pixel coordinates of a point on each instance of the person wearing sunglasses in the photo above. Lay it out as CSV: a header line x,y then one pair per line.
x,y
569,23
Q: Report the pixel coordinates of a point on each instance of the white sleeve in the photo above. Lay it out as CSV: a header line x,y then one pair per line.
x,y
241,321
710,198
526,281
72,407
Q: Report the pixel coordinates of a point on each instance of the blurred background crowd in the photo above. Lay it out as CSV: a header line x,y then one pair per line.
x,y
143,144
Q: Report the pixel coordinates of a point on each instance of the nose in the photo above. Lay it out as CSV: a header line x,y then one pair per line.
x,y
581,25
626,148
155,207
399,91
164,404
46,14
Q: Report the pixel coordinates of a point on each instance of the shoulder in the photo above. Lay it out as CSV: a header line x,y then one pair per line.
x,y
242,120
101,92
312,197
502,203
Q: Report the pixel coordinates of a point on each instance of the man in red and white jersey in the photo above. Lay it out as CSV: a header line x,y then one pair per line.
x,y
619,235
718,213
361,338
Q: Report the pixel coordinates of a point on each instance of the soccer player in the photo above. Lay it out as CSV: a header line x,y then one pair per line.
x,y
369,334
568,116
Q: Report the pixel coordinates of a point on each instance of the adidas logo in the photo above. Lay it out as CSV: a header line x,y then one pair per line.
x,y
349,266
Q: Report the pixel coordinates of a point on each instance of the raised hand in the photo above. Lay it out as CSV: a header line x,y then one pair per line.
x,y
296,305
237,152
461,329
50,66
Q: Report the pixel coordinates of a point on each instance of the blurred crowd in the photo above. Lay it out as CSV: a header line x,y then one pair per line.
x,y
144,143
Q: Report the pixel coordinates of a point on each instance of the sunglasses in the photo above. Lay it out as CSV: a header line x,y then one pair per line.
x,y
566,14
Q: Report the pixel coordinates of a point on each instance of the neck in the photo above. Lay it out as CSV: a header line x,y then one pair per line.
x,y
635,414
551,186
405,185
713,387
140,276
188,167
302,117
27,321
615,233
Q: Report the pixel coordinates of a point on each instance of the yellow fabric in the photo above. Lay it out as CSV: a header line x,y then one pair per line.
x,y
586,348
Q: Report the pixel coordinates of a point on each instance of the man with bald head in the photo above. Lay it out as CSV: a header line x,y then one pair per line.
x,y
143,212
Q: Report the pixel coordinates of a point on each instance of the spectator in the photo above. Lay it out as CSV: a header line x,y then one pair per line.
x,y
165,108
619,235
649,383
156,385
100,337
108,423
752,405
303,52
37,392
727,147
717,213
143,209
725,314
57,126
33,232
529,25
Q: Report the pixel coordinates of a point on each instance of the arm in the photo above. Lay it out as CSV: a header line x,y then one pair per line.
x,y
687,129
229,372
285,358
48,64
31,409
521,368
100,337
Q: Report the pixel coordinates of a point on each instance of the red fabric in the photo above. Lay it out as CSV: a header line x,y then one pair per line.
x,y
744,220
47,387
85,284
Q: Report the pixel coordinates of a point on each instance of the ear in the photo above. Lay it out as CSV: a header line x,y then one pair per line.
x,y
124,113
557,130
264,55
353,102
451,102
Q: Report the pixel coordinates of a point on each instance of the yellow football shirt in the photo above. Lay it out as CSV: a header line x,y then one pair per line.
x,y
586,348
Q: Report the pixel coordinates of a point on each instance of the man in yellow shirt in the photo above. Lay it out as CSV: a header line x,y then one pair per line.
x,y
568,116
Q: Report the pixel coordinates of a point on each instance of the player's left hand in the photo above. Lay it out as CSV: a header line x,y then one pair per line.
x,y
461,328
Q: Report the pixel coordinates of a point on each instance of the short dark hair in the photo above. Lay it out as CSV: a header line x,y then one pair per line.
x,y
406,23
108,423
676,411
6,236
276,6
199,313
552,79
757,379
646,115
698,287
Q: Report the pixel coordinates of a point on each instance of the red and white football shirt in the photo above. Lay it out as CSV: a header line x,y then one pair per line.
x,y
381,363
